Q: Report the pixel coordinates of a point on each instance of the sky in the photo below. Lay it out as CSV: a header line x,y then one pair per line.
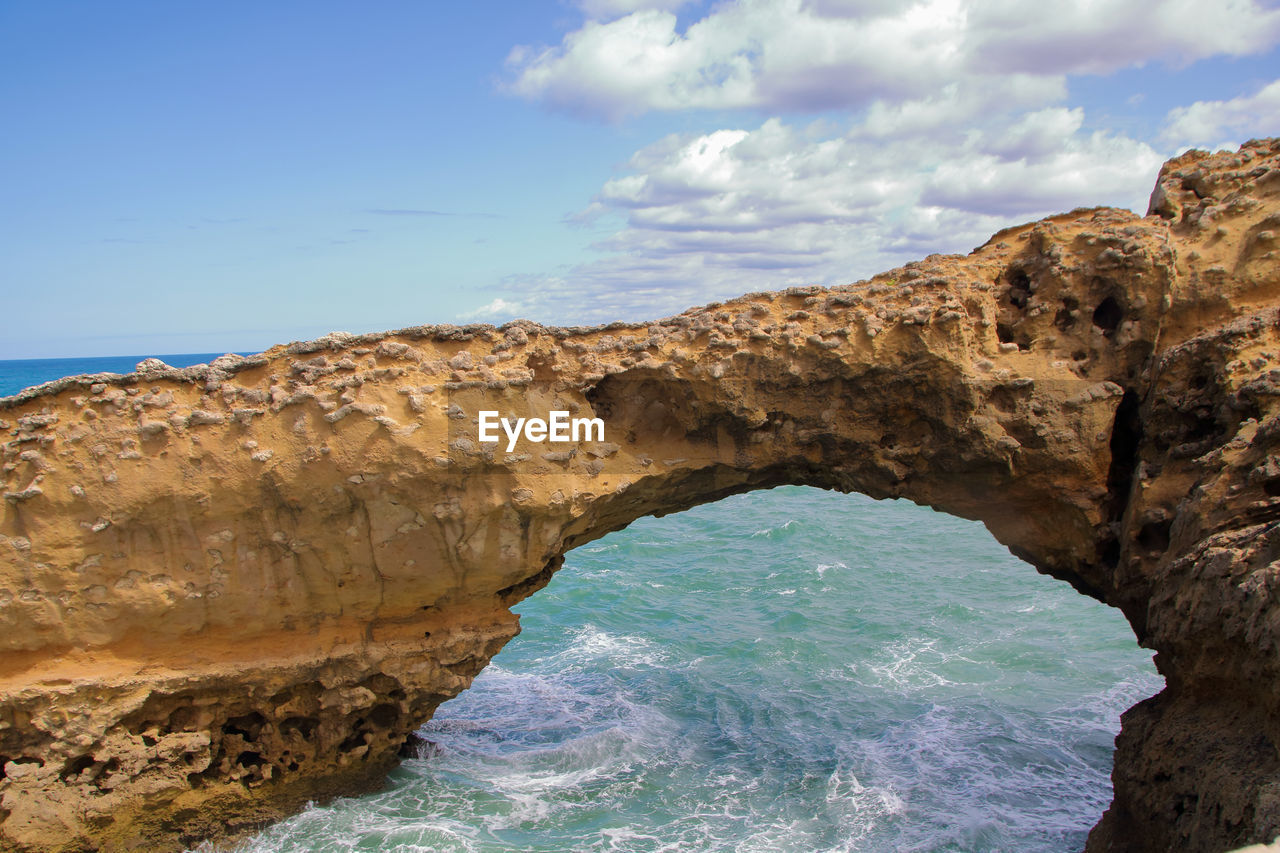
x,y
210,177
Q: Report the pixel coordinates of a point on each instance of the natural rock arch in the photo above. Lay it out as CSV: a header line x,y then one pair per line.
x,y
649,639
227,590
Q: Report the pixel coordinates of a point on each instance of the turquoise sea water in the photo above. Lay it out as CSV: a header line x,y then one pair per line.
x,y
790,670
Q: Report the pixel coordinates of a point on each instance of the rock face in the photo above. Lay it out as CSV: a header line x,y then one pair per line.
x,y
226,590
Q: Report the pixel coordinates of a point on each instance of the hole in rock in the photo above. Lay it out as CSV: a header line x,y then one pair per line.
x,y
1005,334
355,741
1126,437
1019,286
249,759
303,726
384,716
1153,537
788,669
76,766
248,726
1107,316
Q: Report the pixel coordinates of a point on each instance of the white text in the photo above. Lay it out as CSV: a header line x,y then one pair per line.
x,y
558,427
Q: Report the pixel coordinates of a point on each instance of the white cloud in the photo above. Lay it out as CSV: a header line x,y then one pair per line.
x,y
797,56
708,216
1101,36
1209,123
498,308
626,66
1042,164
753,53
955,104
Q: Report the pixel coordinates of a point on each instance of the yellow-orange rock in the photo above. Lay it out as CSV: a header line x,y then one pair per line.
x,y
226,590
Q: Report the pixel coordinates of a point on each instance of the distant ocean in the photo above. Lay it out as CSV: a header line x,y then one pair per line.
x,y
18,374
787,670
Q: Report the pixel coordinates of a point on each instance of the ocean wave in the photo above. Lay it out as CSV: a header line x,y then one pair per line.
x,y
590,644
823,568
786,528
908,665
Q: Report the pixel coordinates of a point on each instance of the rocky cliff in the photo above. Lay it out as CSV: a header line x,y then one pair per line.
x,y
228,589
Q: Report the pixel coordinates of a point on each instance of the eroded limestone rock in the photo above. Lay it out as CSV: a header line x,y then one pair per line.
x,y
228,589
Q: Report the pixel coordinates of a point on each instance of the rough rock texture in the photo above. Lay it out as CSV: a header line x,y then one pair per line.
x,y
226,590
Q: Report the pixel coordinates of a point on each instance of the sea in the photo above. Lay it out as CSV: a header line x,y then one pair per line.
x,y
783,670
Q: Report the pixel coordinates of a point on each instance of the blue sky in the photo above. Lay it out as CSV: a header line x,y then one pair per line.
x,y
186,177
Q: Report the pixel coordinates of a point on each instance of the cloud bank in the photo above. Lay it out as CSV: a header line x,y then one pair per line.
x,y
792,56
1215,123
873,132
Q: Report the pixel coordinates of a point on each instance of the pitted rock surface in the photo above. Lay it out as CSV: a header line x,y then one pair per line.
x,y
230,589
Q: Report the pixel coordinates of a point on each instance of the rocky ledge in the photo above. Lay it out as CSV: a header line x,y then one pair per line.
x,y
230,589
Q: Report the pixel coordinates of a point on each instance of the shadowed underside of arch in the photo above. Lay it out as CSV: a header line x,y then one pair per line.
x,y
227,590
